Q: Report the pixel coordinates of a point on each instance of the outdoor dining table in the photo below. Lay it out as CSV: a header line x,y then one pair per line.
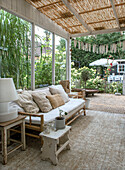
x,y
87,91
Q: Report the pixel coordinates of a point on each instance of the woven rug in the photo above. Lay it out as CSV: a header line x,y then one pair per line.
x,y
97,143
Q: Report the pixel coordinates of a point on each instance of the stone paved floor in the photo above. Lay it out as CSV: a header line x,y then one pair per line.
x,y
107,103
97,143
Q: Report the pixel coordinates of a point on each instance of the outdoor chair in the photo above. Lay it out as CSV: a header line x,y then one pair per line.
x,y
79,93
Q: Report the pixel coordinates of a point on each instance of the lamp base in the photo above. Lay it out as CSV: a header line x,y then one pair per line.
x,y
10,115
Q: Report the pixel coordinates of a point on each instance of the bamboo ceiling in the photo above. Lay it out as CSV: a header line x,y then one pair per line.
x,y
96,15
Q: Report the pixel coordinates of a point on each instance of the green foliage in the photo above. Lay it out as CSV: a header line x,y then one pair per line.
x,y
15,53
84,57
43,72
43,66
15,48
43,63
60,61
115,87
95,82
76,79
15,56
85,75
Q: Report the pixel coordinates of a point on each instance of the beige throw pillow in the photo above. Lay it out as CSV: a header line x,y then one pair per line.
x,y
26,102
59,90
42,101
56,100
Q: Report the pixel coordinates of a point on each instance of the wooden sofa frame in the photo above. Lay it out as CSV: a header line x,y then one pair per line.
x,y
39,128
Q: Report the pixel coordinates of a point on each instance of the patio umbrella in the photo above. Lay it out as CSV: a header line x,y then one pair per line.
x,y
103,62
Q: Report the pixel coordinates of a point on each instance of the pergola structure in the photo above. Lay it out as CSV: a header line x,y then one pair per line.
x,y
68,18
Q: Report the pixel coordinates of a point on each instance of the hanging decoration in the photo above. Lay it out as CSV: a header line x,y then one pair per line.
x,y
123,46
94,48
82,46
75,43
107,49
89,47
79,44
86,46
102,49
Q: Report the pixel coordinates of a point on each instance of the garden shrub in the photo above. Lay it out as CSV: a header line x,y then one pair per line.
x,y
95,82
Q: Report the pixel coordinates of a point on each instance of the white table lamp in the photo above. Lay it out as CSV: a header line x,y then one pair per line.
x,y
7,94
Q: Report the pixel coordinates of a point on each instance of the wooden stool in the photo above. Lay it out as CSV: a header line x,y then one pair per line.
x,y
4,127
54,143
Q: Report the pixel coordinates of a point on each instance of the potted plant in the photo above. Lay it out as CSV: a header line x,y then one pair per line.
x,y
85,75
60,120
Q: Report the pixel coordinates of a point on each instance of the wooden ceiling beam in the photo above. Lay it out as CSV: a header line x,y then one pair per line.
x,y
96,22
75,26
49,4
93,22
105,31
99,9
71,9
115,13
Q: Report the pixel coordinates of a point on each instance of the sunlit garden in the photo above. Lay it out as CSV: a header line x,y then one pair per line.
x,y
15,57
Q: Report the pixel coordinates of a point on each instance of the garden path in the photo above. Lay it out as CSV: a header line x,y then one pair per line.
x,y
107,103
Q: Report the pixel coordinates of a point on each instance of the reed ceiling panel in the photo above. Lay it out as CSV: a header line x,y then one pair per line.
x,y
86,5
121,11
104,25
119,1
51,11
78,29
97,14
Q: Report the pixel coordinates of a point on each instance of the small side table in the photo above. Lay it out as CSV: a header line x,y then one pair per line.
x,y
6,126
54,143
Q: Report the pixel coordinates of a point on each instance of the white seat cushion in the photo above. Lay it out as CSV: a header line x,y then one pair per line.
x,y
73,106
70,107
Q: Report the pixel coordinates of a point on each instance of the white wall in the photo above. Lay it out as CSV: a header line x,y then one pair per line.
x,y
26,11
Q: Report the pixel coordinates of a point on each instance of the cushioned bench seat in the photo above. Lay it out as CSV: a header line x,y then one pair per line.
x,y
42,106
71,107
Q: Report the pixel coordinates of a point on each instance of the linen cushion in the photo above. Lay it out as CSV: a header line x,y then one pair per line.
x,y
26,102
71,107
56,100
59,90
13,105
42,101
44,89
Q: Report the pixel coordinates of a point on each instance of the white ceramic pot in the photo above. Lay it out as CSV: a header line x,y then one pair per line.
x,y
87,103
59,123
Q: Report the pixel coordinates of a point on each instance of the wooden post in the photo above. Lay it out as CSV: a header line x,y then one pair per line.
x,y
84,109
8,137
33,57
105,85
23,135
68,61
123,84
53,58
4,146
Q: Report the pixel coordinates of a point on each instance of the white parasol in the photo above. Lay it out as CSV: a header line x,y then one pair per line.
x,y
103,62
